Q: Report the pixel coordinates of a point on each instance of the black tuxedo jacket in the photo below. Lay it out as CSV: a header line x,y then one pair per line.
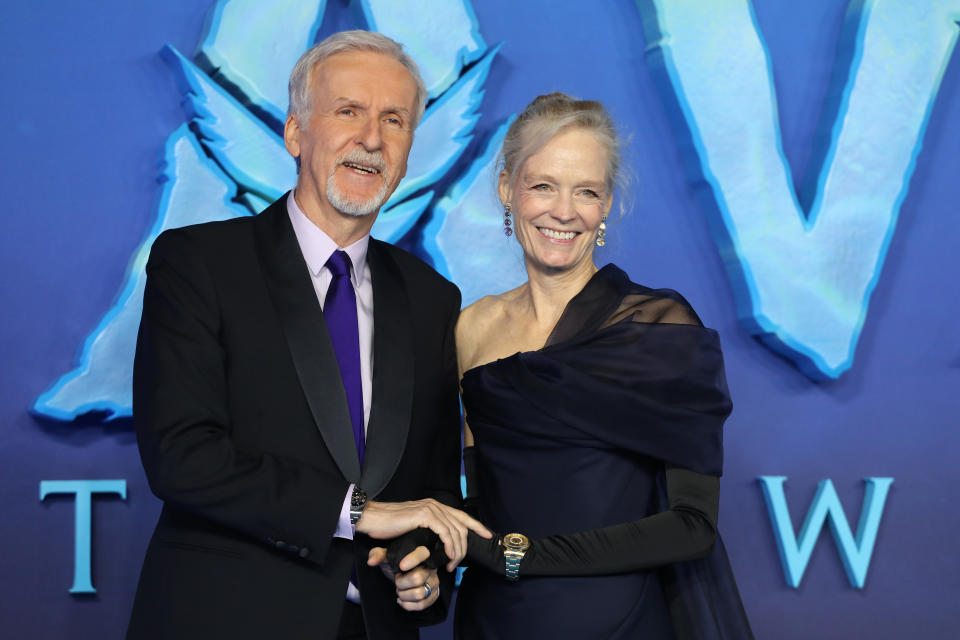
x,y
244,433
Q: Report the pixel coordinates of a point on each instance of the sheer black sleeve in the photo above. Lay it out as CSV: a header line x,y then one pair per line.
x,y
685,531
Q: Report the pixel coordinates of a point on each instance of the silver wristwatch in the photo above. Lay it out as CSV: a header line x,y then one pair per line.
x,y
358,500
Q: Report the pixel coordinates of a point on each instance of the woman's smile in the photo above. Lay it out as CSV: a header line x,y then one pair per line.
x,y
562,237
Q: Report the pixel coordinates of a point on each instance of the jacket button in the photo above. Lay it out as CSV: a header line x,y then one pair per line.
x,y
304,552
281,544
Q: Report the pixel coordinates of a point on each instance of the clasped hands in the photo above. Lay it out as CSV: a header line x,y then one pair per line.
x,y
417,583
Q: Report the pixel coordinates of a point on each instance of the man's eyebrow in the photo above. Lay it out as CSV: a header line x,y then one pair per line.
x,y
344,101
403,111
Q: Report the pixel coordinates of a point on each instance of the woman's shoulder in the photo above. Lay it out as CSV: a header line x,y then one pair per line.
x,y
479,317
479,322
487,311
661,305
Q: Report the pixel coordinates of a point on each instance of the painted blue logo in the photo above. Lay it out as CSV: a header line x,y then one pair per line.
x,y
802,278
855,551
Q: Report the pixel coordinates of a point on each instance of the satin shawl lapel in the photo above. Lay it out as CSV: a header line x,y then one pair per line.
x,y
393,371
295,301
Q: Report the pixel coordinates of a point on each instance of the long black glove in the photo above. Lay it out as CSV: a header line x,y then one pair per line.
x,y
471,502
398,548
685,531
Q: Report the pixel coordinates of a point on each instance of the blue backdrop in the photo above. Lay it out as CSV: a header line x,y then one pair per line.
x,y
90,106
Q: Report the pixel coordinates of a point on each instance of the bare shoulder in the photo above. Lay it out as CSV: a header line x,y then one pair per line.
x,y
474,324
478,325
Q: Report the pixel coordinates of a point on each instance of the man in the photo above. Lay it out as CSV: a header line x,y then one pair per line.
x,y
286,364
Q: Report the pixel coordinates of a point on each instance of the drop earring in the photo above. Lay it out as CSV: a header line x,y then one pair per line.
x,y
602,231
507,223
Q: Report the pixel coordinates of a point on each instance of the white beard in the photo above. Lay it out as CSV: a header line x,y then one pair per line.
x,y
353,206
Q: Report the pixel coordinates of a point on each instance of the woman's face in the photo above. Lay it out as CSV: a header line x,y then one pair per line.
x,y
559,199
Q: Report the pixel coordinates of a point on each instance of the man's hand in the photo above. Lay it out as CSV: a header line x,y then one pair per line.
x,y
384,520
417,586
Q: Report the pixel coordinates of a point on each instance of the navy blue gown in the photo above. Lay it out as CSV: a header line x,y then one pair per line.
x,y
574,437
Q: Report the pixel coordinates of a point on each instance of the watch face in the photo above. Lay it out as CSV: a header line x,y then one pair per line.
x,y
515,541
358,498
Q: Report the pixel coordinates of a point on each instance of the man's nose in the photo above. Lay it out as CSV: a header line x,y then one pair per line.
x,y
369,135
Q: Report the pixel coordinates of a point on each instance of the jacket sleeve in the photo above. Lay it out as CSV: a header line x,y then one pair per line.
x,y
445,482
181,415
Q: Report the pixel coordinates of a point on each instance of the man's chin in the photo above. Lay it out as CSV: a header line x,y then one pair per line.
x,y
356,213
353,206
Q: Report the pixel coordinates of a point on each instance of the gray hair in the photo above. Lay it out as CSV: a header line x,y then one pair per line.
x,y
554,113
356,40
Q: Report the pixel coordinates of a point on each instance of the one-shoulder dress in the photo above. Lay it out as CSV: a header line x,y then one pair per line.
x,y
576,436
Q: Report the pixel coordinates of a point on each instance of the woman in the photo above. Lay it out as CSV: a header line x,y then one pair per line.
x,y
594,409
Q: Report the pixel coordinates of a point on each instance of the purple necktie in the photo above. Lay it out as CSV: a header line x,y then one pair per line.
x,y
340,312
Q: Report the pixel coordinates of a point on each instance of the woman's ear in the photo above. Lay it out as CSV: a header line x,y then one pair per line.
x,y
503,188
608,205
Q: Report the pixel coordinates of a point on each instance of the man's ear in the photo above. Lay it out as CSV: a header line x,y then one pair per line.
x,y
291,135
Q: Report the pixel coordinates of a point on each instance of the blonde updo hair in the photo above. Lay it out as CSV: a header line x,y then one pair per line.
x,y
549,115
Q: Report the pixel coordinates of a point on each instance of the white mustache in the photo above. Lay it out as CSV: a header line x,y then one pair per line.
x,y
370,159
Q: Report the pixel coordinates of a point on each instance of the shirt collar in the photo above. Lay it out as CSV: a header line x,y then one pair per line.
x,y
317,246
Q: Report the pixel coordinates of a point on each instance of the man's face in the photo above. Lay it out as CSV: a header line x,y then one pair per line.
x,y
354,145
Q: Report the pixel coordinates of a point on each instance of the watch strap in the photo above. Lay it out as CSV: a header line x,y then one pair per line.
x,y
515,545
512,560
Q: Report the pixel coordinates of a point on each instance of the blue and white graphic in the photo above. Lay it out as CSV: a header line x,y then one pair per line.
x,y
855,551
194,189
462,227
242,53
802,280
428,36
230,159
